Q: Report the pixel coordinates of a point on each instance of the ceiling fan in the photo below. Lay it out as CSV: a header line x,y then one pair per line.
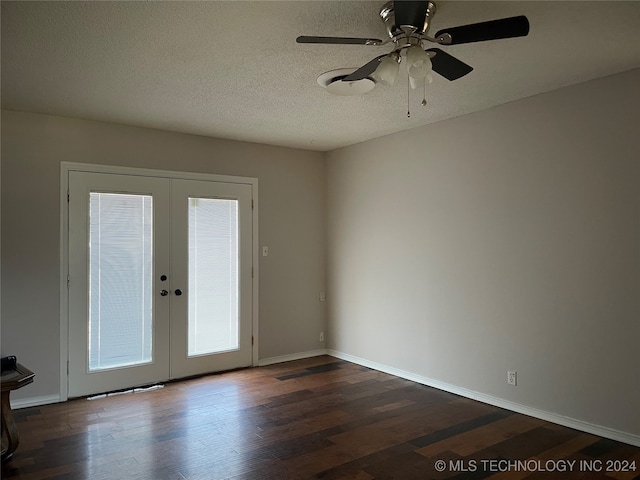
x,y
407,24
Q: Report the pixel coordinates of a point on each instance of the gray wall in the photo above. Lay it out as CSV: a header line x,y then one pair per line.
x,y
291,215
504,240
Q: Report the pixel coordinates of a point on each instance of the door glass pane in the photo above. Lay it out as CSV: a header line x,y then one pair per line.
x,y
213,276
120,280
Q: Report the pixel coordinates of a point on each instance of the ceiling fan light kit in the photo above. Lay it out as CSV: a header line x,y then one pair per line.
x,y
387,71
407,25
418,66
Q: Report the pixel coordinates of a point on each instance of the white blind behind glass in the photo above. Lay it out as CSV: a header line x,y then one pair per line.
x,y
213,276
120,280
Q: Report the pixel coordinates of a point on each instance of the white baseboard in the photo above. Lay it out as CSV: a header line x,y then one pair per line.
x,y
34,401
583,426
288,358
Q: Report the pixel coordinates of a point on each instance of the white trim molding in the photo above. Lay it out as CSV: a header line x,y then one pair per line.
x,y
574,423
288,358
34,401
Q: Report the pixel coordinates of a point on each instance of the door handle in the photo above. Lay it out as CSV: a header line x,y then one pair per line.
x,y
178,292
163,293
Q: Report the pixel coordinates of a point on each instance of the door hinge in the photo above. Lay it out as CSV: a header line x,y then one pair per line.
x,y
251,339
67,196
67,367
251,272
252,204
68,279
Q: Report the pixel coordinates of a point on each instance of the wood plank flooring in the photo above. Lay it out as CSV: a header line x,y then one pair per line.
x,y
318,418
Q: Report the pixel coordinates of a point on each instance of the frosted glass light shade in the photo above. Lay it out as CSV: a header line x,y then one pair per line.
x,y
416,82
418,66
387,71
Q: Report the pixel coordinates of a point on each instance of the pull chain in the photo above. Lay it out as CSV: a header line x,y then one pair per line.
x,y
424,92
408,91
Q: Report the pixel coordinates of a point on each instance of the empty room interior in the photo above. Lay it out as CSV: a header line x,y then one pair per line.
x,y
320,239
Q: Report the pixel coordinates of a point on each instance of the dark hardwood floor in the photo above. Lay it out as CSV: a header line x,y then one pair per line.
x,y
318,418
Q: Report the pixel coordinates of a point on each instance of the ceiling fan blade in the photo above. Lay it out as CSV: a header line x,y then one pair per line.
x,y
410,13
365,70
448,66
492,30
339,40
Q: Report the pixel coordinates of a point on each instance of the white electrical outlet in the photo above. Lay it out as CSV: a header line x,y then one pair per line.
x,y
265,251
512,378
322,297
322,336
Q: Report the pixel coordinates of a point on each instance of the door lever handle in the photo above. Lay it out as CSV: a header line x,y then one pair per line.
x,y
178,292
163,293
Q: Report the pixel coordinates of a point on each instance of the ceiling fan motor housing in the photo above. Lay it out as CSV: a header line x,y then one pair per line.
x,y
418,24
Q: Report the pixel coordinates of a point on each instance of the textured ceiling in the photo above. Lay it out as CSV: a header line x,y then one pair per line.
x,y
233,69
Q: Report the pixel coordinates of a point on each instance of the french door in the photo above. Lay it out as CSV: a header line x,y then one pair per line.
x,y
159,279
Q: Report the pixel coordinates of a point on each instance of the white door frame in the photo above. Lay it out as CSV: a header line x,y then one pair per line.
x,y
67,167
